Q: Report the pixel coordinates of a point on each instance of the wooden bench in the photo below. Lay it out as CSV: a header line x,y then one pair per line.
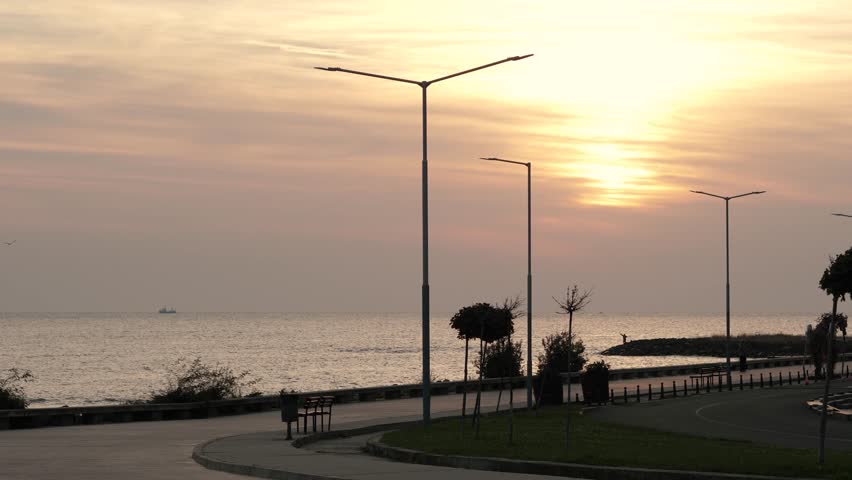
x,y
707,374
316,407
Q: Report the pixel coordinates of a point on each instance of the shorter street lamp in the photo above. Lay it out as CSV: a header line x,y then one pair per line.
x,y
727,277
529,273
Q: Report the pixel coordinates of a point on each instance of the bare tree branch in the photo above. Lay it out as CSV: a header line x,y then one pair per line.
x,y
575,300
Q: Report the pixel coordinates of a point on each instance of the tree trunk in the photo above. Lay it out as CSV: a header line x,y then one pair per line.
x,y
479,386
464,382
511,391
500,393
829,371
570,358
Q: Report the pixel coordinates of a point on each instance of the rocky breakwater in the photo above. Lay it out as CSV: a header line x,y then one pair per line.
x,y
751,346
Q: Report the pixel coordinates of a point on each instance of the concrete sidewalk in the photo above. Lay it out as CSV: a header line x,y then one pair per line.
x,y
268,455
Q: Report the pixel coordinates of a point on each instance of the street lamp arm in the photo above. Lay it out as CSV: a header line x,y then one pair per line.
x,y
366,74
841,215
747,194
494,159
709,194
510,59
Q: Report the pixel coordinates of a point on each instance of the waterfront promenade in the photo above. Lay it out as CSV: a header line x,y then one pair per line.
x,y
162,450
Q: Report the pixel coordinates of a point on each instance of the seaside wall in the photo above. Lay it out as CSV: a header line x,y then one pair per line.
x,y
44,417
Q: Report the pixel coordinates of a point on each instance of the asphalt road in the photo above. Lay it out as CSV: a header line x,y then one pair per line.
x,y
772,416
163,450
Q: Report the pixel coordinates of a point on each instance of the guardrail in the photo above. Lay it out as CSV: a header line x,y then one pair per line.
x,y
44,417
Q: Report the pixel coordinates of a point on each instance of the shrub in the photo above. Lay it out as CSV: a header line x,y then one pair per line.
x,y
558,350
817,340
501,359
597,368
12,394
195,381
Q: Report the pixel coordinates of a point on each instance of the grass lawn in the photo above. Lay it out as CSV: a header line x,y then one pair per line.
x,y
542,437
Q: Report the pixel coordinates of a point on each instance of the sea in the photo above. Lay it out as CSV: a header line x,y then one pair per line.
x,y
81,359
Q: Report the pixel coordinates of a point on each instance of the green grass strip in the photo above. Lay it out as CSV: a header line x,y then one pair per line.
x,y
594,442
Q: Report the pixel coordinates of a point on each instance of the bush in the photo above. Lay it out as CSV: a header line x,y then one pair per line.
x,y
501,359
817,341
12,389
195,381
557,352
595,382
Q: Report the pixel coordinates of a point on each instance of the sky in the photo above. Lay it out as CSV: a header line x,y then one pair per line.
x,y
185,153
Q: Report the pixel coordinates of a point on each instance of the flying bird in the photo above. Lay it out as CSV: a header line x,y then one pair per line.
x,y
9,244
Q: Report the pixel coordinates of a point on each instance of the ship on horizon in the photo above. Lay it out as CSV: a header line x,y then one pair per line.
x,y
167,310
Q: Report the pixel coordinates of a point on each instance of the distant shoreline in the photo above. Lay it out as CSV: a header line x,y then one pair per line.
x,y
751,346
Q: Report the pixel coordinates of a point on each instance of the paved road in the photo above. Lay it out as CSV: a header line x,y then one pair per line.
x,y
773,416
162,450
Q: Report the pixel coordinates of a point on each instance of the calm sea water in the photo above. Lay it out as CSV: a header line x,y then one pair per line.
x,y
90,359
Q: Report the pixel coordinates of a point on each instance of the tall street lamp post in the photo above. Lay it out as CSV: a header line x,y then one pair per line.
x,y
728,277
529,272
843,357
425,288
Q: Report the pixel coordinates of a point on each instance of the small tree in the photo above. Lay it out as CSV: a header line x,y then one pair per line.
x,y
575,301
496,323
468,323
836,282
12,395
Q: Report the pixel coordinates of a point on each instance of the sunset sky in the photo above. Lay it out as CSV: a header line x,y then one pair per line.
x,y
186,153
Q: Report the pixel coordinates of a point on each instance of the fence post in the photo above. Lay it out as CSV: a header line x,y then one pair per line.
x,y
637,394
662,391
685,390
789,377
770,379
577,397
798,378
649,392
750,381
674,388
720,384
625,394
741,382
761,380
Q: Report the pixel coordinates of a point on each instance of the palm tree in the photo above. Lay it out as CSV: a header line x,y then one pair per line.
x,y
836,281
575,301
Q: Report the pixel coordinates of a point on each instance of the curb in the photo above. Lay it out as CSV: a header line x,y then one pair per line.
x,y
599,472
202,459
247,470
